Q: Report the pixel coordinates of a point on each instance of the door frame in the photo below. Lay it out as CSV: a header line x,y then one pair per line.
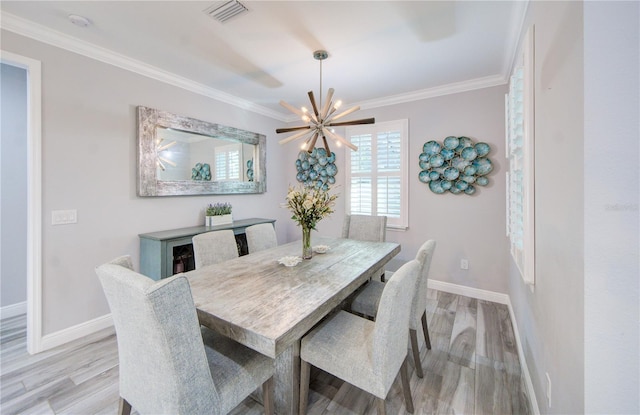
x,y
34,195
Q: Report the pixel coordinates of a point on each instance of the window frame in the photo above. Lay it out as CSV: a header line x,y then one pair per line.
x,y
401,125
521,156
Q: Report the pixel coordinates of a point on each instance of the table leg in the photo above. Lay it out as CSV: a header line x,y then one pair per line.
x,y
287,380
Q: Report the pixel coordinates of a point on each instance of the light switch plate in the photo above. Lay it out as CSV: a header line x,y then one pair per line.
x,y
64,217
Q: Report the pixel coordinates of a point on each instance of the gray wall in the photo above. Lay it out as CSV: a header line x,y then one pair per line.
x,y
13,198
580,324
611,218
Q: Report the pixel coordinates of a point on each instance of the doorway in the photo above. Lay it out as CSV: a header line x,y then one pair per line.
x,y
33,196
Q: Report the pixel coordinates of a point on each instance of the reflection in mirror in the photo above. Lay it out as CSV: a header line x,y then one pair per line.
x,y
185,156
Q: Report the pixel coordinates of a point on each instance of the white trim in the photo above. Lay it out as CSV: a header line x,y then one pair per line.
x,y
478,293
34,196
13,310
499,298
76,332
523,363
44,34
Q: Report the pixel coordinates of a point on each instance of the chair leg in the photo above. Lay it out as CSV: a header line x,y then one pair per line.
x,y
267,396
124,407
382,408
425,329
404,376
305,368
416,352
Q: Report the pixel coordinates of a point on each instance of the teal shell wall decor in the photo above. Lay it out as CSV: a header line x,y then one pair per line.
x,y
201,171
316,169
456,165
250,170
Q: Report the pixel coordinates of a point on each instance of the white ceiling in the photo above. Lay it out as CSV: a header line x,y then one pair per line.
x,y
379,51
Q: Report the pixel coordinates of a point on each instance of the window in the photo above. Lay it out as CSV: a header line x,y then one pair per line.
x,y
376,174
228,162
520,152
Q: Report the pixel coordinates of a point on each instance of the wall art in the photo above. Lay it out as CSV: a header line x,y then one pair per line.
x,y
316,168
456,165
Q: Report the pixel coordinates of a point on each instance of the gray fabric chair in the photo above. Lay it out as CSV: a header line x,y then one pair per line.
x,y
366,354
366,228
212,247
261,237
367,301
168,363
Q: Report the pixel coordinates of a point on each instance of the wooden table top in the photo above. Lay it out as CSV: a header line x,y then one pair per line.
x,y
268,306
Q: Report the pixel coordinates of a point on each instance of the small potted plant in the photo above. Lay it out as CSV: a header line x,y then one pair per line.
x,y
218,214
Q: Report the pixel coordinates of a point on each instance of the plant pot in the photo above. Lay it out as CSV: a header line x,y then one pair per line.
x,y
220,220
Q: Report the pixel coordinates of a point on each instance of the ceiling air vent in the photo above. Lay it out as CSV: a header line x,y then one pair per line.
x,y
222,11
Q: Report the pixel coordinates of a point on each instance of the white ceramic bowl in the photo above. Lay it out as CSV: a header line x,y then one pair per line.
x,y
321,249
290,261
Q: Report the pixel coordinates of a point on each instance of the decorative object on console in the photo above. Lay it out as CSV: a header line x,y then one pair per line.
x,y
218,214
309,205
457,165
316,168
322,118
201,171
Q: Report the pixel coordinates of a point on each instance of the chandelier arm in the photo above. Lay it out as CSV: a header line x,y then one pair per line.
x,y
347,112
341,139
289,129
326,145
313,103
168,161
166,146
292,108
314,138
354,122
327,104
293,137
161,165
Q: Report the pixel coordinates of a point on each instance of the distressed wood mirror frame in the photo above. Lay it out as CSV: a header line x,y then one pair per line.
x,y
149,183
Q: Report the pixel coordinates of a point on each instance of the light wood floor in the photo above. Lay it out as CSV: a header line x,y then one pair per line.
x,y
473,368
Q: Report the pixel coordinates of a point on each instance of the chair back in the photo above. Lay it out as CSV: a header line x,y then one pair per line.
x,y
213,247
391,332
261,237
424,256
163,365
365,228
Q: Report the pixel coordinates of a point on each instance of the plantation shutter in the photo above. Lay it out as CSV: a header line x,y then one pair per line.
x,y
377,172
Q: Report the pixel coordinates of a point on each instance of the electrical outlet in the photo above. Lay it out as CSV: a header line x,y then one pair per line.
x,y
464,264
548,389
64,217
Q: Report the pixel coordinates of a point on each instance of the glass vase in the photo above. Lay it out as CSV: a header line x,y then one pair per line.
x,y
306,243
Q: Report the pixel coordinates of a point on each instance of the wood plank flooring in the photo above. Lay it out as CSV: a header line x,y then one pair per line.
x,y
472,368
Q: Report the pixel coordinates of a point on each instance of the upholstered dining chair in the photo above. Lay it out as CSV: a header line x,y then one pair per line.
x,y
212,247
366,228
260,237
169,364
365,353
366,302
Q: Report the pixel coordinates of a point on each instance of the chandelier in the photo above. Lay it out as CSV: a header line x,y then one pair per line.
x,y
321,120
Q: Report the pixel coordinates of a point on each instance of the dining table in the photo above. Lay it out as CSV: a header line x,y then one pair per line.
x,y
268,306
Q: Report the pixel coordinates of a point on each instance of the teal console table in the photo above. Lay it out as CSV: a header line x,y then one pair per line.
x,y
165,253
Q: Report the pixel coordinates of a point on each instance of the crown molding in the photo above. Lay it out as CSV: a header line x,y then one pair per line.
x,y
43,34
454,88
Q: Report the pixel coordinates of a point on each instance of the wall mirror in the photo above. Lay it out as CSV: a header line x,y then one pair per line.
x,y
180,156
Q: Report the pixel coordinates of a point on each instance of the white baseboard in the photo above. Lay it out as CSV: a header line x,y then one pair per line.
x,y
500,299
61,337
478,293
13,310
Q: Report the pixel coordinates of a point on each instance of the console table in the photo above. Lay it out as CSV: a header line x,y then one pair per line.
x,y
165,253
